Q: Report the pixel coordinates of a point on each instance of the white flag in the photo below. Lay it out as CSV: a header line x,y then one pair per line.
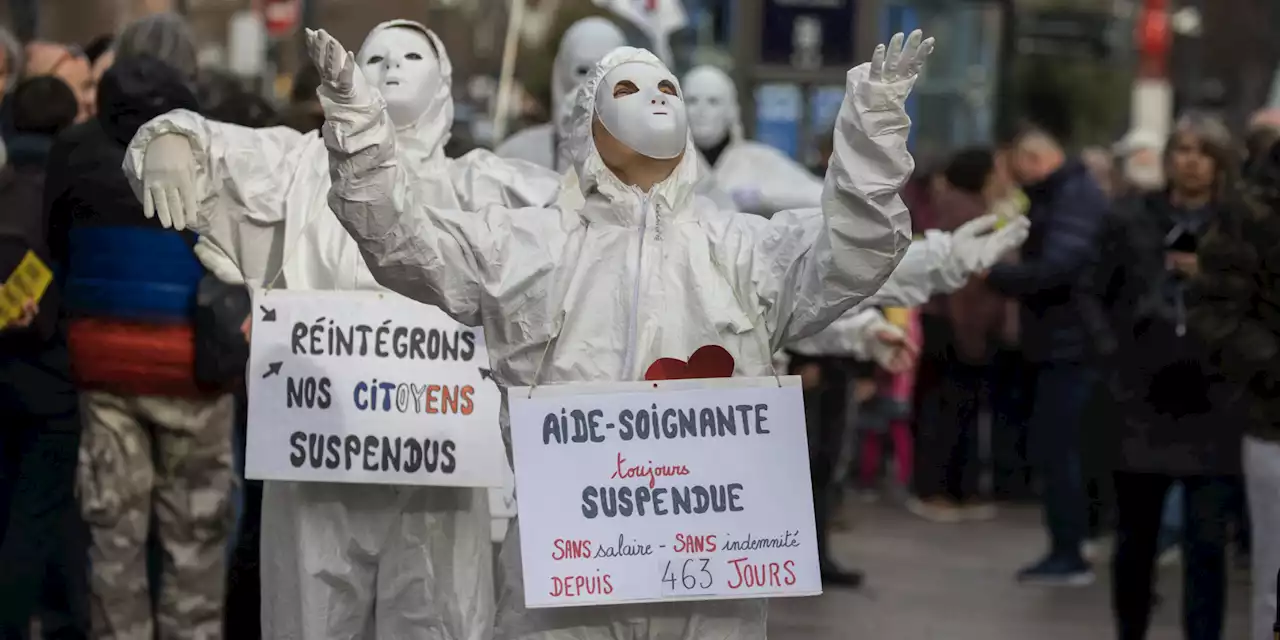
x,y
658,19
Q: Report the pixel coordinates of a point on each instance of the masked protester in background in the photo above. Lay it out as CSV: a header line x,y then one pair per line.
x,y
156,443
42,550
583,44
258,196
759,178
764,282
68,64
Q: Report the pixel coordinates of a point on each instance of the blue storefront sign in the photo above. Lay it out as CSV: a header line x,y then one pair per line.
x,y
778,110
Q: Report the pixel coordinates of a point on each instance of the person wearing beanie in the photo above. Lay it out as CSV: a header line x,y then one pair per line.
x,y
156,445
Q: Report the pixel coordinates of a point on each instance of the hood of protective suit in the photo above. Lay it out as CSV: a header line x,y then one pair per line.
x,y
583,44
593,175
425,138
712,100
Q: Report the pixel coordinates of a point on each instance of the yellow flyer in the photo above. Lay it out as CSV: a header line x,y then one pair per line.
x,y
28,281
31,277
10,304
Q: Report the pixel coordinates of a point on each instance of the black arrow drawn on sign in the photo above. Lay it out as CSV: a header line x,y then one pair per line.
x,y
268,315
273,368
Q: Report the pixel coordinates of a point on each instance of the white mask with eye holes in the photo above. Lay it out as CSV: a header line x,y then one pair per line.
x,y
584,43
402,65
712,102
640,105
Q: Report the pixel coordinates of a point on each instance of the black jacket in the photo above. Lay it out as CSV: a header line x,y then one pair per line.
x,y
1235,302
25,226
1067,215
1177,412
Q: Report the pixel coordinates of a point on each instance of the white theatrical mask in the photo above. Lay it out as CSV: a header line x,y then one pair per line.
x,y
640,105
402,65
581,47
712,101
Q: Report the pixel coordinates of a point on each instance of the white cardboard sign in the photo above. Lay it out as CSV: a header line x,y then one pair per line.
x,y
370,388
678,490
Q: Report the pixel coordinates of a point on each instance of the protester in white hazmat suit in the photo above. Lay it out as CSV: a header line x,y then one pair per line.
x,y
583,44
643,270
344,560
581,47
760,179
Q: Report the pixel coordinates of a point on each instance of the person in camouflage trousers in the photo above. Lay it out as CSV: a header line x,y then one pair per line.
x,y
156,445
169,456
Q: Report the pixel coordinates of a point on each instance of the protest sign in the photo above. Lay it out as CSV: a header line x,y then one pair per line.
x,y
653,491
366,387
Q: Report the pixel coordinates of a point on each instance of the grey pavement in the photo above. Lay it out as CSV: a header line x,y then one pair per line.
x,y
955,582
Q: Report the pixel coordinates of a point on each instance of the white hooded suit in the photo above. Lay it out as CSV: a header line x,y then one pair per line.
x,y
347,560
605,289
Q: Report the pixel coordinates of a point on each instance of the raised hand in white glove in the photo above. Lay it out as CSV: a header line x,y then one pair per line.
x,y
978,245
337,66
891,349
168,181
900,61
885,343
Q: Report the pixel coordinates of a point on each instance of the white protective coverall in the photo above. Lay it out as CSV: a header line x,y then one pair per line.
x,y
937,263
581,47
330,551
760,179
600,292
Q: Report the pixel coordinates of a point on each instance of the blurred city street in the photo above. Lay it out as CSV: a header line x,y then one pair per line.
x,y
955,582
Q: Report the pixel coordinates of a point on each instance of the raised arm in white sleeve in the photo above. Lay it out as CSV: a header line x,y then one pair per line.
x,y
943,262
807,268
235,182
433,255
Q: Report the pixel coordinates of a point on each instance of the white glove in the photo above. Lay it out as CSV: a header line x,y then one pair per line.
x,y
337,67
977,245
217,262
168,181
901,61
886,343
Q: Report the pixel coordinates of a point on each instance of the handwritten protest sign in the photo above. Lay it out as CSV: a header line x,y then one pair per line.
x,y
367,387
643,492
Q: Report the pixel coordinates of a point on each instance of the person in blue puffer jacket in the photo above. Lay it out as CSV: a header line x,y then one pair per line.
x,y
154,441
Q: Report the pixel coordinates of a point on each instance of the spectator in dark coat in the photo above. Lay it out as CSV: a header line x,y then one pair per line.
x,y
39,444
949,465
1233,306
1067,212
1179,419
131,287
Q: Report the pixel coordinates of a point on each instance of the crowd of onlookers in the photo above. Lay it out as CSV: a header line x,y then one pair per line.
x,y
1119,370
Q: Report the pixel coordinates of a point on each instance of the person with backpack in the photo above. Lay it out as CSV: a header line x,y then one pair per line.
x,y
157,438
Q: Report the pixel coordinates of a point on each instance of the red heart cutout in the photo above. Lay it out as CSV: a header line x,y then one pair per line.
x,y
711,361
